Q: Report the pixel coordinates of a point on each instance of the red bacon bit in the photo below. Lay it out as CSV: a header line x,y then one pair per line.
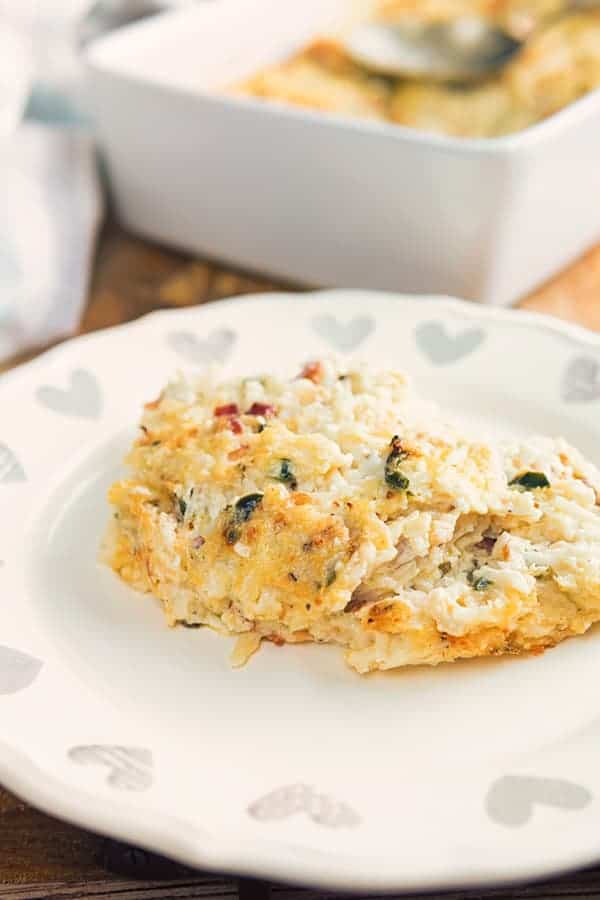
x,y
235,425
230,409
313,371
261,409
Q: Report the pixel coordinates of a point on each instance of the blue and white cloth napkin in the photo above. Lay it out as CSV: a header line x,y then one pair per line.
x,y
51,204
50,194
49,216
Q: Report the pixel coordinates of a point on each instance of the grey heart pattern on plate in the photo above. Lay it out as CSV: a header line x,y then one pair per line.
x,y
17,670
443,348
129,768
301,798
81,398
512,799
344,336
581,381
11,469
215,348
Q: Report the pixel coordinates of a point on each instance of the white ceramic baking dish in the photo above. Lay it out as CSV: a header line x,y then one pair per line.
x,y
321,199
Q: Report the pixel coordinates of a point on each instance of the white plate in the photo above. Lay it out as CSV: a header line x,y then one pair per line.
x,y
293,768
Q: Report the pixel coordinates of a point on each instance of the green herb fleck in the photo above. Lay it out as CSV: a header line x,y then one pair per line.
x,y
331,576
261,428
445,567
482,584
246,506
286,474
182,506
394,476
529,481
232,535
242,512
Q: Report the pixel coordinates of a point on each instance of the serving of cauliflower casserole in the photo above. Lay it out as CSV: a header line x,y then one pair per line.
x,y
337,507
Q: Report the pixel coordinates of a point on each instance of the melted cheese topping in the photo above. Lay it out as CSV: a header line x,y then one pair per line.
x,y
339,507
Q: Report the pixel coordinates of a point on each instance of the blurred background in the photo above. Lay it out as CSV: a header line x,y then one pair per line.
x,y
403,209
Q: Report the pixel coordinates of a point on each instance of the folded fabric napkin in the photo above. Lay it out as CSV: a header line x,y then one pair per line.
x,y
50,212
51,196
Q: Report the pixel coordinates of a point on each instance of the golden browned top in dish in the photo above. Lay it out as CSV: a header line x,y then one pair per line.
x,y
559,64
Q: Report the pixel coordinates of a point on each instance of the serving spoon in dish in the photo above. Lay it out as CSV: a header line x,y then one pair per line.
x,y
464,49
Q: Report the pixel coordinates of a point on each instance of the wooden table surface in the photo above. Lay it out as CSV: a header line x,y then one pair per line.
x,y
43,858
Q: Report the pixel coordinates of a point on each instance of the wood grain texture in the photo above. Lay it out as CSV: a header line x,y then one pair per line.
x,y
123,890
573,295
43,859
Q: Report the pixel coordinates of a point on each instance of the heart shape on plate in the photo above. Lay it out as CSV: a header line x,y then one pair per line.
x,y
11,469
344,336
129,768
581,381
17,670
215,348
81,398
512,799
297,798
442,348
